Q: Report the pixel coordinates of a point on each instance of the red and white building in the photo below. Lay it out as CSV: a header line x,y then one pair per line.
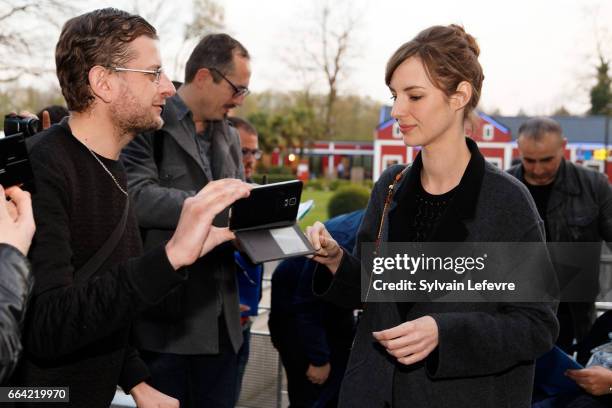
x,y
589,144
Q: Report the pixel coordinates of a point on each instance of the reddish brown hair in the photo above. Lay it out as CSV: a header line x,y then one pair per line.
x,y
101,37
450,56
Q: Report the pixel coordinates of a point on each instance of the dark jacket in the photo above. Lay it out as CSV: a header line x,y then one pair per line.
x,y
164,168
579,210
580,204
306,330
298,317
486,351
15,286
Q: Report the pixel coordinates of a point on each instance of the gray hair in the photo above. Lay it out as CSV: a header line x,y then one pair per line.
x,y
536,128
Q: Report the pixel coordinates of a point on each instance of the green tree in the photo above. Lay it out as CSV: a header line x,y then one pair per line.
x,y
601,93
294,119
561,111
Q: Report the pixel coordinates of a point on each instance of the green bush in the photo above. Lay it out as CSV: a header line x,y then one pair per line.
x,y
348,199
315,184
368,183
280,170
335,184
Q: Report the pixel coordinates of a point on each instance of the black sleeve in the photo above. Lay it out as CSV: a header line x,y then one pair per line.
x,y
343,288
66,315
134,370
15,285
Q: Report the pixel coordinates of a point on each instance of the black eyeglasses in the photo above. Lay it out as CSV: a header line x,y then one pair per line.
x,y
239,91
255,152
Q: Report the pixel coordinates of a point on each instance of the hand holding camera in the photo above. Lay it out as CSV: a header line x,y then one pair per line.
x,y
25,123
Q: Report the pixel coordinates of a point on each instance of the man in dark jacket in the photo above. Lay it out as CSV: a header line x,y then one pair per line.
x,y
313,337
576,206
195,332
16,231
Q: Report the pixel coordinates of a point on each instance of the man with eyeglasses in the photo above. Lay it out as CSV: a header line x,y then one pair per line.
x,y
92,280
191,339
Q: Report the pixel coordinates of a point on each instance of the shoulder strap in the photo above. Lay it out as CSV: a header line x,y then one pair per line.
x,y
388,198
104,252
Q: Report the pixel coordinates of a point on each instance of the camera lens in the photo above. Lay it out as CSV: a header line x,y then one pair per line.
x,y
31,126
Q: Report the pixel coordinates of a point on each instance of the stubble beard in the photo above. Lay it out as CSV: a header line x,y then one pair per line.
x,y
131,118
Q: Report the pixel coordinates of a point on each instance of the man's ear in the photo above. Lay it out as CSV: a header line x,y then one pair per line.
x,y
202,77
100,83
462,95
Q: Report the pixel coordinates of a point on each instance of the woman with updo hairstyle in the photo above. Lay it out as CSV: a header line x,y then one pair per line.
x,y
435,354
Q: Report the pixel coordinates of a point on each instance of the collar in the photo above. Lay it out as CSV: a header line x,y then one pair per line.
x,y
565,180
462,206
182,109
466,197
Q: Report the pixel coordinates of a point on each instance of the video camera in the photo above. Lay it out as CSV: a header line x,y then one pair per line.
x,y
15,168
14,124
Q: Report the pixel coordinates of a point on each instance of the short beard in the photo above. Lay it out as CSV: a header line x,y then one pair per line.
x,y
131,119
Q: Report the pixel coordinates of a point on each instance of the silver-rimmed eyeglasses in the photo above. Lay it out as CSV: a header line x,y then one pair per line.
x,y
157,72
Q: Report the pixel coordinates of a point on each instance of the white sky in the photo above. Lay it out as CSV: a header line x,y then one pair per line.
x,y
536,54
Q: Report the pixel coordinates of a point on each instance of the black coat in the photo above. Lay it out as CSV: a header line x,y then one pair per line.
x,y
486,351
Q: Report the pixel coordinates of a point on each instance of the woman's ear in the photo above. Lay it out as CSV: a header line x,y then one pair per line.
x,y
462,95
100,83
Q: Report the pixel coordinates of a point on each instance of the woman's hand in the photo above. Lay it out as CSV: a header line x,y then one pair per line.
x,y
318,375
596,380
412,341
328,252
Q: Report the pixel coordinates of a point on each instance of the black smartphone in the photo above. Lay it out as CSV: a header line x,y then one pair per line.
x,y
15,168
268,205
265,222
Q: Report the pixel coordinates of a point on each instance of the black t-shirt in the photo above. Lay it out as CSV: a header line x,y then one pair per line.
x,y
420,223
540,195
429,209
